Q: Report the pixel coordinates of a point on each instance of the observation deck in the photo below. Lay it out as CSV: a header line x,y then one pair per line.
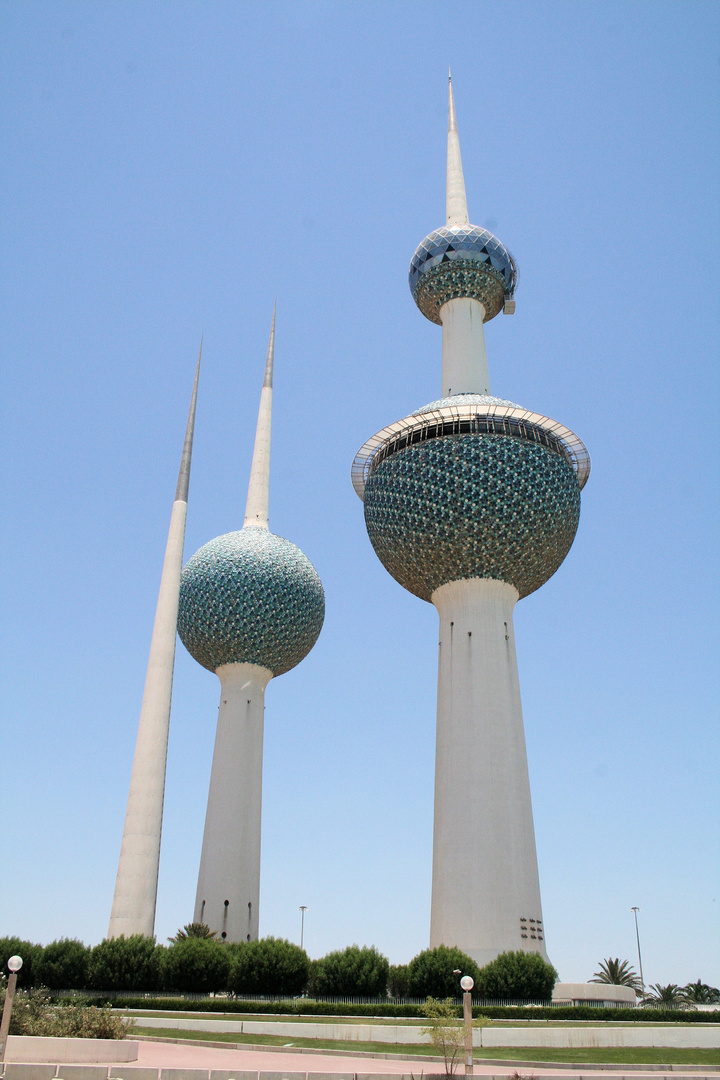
x,y
470,414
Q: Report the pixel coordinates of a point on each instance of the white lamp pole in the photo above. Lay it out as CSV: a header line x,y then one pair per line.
x,y
467,983
302,909
14,964
637,938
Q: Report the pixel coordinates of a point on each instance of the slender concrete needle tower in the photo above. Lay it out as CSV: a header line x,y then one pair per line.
x,y
133,909
251,607
471,503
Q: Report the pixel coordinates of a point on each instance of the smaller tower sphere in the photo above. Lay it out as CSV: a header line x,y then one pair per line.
x,y
250,597
461,261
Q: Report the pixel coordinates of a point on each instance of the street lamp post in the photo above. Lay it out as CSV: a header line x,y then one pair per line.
x,y
467,983
637,937
14,964
302,909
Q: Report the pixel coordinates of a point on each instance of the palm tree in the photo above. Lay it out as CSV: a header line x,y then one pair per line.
x,y
701,994
194,929
671,996
617,972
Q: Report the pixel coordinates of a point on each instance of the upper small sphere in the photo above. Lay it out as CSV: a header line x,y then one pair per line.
x,y
458,261
250,597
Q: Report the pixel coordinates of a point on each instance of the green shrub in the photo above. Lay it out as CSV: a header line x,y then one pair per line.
x,y
398,980
270,966
351,972
63,965
125,964
34,1014
196,966
517,976
430,973
15,946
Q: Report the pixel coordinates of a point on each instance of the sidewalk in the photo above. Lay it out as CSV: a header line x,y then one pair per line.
x,y
240,1060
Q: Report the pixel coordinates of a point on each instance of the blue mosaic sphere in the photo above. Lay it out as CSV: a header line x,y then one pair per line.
x,y
250,597
472,506
461,260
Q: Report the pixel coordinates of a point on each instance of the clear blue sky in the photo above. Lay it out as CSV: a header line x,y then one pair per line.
x,y
168,169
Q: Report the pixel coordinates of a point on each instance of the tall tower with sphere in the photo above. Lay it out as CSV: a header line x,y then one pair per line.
x,y
251,607
471,503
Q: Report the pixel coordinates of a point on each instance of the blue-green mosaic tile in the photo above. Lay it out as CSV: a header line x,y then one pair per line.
x,y
467,506
250,597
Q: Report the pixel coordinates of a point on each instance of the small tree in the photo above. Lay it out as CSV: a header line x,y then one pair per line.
x,y
430,973
618,973
671,996
517,976
195,966
444,1031
699,993
194,929
351,972
30,953
398,980
270,966
125,964
63,965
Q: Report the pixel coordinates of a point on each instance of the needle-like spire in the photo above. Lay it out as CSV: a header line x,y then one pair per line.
x,y
181,492
133,910
456,201
256,509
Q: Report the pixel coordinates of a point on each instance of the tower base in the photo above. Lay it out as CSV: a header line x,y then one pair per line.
x,y
228,891
485,887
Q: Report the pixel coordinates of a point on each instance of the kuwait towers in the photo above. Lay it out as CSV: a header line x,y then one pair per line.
x,y
471,503
133,909
251,607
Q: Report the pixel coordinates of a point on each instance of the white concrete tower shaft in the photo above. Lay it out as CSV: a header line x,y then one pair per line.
x,y
464,357
133,909
485,887
228,891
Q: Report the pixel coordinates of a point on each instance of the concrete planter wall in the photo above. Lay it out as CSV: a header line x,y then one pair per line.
x,y
622,997
47,1048
536,1033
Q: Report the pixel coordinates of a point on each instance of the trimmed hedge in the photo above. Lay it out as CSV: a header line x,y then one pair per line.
x,y
195,965
63,964
350,972
431,972
305,1007
124,964
517,976
270,965
30,953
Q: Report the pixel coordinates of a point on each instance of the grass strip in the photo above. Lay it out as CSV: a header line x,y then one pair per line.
x,y
625,1055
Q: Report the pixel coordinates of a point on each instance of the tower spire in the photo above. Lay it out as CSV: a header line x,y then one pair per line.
x,y
183,484
455,200
257,506
133,909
